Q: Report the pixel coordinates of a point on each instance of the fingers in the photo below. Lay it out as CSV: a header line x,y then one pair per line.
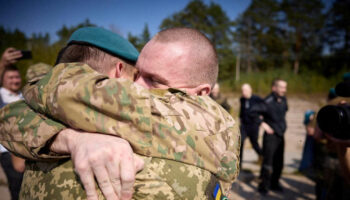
x,y
11,55
127,174
87,179
10,49
139,163
110,160
14,55
114,174
104,182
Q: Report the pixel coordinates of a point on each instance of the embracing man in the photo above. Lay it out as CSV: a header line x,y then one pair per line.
x,y
189,145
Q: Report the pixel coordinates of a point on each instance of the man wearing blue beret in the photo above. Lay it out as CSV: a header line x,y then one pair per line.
x,y
188,144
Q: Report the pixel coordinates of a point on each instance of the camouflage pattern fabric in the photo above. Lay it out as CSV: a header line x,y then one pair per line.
x,y
160,179
25,132
37,71
160,120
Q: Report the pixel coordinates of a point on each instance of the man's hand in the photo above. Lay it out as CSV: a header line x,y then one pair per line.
x,y
267,128
10,56
110,159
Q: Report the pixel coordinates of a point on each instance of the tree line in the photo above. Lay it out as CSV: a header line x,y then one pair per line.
x,y
297,36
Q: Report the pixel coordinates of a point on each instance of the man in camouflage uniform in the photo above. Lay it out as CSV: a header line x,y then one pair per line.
x,y
160,123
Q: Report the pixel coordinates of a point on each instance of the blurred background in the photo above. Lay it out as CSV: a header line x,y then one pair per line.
x,y
305,42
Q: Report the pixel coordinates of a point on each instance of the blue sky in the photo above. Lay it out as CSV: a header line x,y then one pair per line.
x,y
124,16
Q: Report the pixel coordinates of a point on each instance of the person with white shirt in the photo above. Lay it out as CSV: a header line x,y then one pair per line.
x,y
12,165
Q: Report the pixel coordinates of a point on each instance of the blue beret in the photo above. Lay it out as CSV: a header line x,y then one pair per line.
x,y
105,40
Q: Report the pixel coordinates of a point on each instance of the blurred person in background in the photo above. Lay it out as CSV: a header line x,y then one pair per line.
x,y
9,57
10,92
308,151
249,123
273,109
216,95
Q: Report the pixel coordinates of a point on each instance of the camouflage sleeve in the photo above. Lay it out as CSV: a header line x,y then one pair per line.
x,y
83,99
26,133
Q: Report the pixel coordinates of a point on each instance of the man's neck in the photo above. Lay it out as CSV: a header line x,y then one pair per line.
x,y
11,91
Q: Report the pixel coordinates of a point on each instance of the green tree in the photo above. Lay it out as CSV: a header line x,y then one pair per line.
x,y
338,26
65,32
140,41
146,35
214,23
338,37
305,21
15,38
39,44
18,40
260,38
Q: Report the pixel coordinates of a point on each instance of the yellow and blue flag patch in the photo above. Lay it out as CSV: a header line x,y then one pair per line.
x,y
217,194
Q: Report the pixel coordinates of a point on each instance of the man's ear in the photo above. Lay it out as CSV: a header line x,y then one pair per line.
x,y
116,71
202,90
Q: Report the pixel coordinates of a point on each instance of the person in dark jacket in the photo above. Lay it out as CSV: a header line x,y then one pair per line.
x,y
273,110
249,124
216,95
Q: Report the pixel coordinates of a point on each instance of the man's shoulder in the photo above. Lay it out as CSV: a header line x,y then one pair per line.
x,y
269,99
193,108
256,98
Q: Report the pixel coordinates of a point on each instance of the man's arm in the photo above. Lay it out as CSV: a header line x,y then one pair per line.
x,y
26,133
84,99
81,98
259,110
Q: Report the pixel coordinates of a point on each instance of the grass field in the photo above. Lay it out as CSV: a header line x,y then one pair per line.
x,y
301,84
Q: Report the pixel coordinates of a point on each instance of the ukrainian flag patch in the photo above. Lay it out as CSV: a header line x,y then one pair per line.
x,y
217,194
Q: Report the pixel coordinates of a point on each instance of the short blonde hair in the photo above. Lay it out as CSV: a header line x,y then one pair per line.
x,y
204,62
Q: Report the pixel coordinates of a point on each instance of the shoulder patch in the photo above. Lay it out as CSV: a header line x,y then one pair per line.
x,y
217,194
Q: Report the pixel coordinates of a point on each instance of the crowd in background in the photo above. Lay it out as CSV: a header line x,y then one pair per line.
x,y
320,161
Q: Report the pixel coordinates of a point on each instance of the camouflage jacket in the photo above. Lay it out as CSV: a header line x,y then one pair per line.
x,y
160,179
158,120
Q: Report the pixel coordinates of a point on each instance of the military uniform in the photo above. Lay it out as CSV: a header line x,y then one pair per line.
x,y
165,124
37,71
